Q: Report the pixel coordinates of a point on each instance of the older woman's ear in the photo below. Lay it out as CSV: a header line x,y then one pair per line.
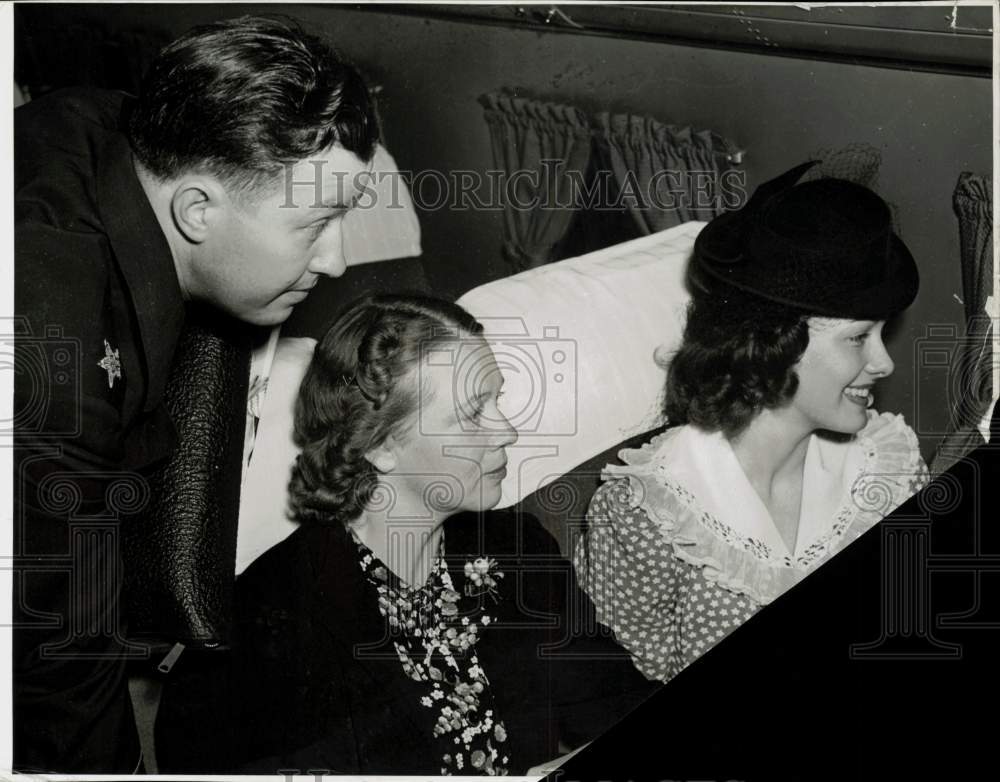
x,y
383,456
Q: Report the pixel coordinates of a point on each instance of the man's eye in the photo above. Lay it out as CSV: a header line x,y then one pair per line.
x,y
858,339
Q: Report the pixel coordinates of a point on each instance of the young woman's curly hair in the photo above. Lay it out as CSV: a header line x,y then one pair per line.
x,y
352,397
737,358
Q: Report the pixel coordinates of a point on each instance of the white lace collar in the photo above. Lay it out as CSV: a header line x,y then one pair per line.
x,y
690,483
705,464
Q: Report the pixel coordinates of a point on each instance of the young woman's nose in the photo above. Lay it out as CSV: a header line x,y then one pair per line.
x,y
880,363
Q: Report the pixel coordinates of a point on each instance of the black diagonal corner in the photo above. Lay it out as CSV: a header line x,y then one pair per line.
x,y
884,664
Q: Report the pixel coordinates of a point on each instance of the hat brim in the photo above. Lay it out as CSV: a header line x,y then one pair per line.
x,y
719,255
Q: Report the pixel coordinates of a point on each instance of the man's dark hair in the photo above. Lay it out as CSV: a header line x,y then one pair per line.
x,y
737,358
242,97
351,397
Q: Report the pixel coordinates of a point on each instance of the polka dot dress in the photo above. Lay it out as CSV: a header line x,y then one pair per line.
x,y
672,580
663,610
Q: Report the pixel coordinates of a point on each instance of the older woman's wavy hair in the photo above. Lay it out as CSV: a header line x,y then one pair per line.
x,y
737,358
351,397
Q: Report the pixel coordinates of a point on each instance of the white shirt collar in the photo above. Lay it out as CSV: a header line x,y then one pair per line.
x,y
705,465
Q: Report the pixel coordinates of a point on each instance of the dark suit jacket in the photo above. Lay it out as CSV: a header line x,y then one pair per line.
x,y
99,312
92,266
316,684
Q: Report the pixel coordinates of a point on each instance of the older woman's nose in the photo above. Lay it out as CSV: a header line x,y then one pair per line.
x,y
505,433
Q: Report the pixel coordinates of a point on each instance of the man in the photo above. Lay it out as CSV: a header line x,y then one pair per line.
x,y
225,182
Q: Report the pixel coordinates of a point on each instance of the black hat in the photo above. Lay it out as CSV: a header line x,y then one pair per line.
x,y
826,247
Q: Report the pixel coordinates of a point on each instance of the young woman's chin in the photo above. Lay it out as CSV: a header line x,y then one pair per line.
x,y
847,422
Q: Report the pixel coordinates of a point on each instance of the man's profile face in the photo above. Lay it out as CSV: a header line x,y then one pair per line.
x,y
263,257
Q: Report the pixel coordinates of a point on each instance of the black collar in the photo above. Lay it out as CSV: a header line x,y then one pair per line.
x,y
327,565
145,260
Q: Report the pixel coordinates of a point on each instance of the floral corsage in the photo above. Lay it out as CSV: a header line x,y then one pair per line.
x,y
481,577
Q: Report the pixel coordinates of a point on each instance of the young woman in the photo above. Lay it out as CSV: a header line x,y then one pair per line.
x,y
402,629
775,459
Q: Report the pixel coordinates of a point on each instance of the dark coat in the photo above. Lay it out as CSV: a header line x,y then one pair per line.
x,y
317,684
98,314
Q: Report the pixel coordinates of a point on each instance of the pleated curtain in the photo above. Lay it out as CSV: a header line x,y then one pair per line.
x,y
668,174
971,380
543,149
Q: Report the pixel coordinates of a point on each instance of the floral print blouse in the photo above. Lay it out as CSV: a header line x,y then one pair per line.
x,y
679,551
436,645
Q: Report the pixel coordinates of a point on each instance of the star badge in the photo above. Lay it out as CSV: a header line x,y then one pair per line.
x,y
110,364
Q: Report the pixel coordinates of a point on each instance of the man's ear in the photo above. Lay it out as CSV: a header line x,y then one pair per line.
x,y
383,456
196,205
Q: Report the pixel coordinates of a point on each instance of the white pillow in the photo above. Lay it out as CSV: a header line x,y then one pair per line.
x,y
575,341
384,224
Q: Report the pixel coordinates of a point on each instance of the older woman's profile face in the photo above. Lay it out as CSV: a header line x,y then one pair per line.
x,y
837,373
454,453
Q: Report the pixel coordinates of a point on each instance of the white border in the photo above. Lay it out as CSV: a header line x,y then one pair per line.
x,y
7,307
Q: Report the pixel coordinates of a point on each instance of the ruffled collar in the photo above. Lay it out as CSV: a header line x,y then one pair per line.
x,y
705,464
691,484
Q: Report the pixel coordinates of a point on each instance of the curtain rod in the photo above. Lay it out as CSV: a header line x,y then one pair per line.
x,y
965,52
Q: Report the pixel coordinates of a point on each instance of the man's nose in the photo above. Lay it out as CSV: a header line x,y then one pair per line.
x,y
328,252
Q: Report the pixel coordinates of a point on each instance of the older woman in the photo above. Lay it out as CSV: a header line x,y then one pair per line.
x,y
775,459
400,629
